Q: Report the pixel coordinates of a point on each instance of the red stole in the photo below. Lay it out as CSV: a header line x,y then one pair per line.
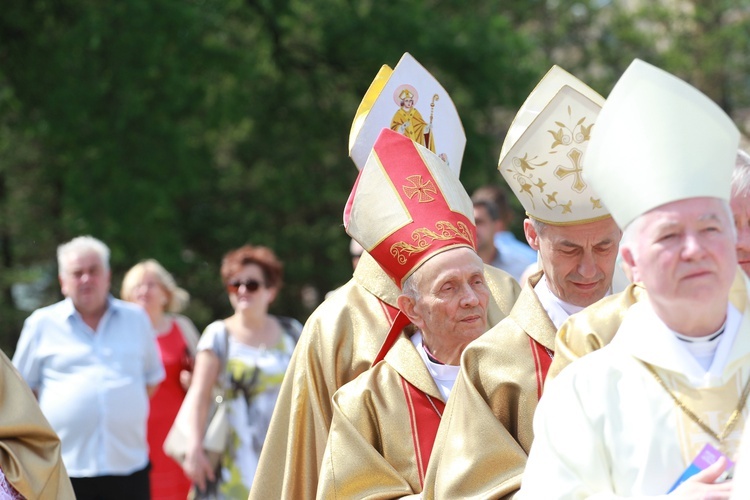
x,y
424,421
542,361
398,322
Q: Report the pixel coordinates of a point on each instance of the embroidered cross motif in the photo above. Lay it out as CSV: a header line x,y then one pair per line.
x,y
420,188
562,172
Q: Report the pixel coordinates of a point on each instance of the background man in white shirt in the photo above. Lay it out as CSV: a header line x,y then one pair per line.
x,y
92,361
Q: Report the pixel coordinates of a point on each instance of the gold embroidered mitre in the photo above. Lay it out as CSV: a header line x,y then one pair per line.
x,y
542,155
658,140
381,108
407,206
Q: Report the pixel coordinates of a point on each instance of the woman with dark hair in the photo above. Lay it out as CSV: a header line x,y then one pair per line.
x,y
248,353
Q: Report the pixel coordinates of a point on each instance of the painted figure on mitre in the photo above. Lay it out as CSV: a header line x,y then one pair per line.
x,y
408,120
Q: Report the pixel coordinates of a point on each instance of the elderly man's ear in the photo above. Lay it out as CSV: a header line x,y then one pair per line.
x,y
408,307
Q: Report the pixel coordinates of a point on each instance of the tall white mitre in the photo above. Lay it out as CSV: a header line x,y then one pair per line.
x,y
542,155
658,140
431,101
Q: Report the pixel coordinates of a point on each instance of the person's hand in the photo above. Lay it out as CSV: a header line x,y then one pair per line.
x,y
427,128
701,486
186,377
197,468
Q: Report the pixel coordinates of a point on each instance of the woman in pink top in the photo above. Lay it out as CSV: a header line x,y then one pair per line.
x,y
151,286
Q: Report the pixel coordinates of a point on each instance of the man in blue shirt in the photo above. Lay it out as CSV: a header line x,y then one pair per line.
x,y
93,361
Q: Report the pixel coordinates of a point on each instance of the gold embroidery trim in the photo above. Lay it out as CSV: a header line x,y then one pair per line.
x,y
424,238
687,411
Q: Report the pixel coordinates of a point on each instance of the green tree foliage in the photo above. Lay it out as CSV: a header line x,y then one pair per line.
x,y
179,129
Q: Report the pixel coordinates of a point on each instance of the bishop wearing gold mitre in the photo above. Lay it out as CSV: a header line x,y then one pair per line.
x,y
657,412
413,216
491,409
346,333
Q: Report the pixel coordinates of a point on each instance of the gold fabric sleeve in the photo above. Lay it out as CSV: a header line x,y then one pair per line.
x,y
595,326
30,452
592,328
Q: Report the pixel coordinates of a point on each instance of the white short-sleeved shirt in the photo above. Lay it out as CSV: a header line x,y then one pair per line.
x,y
92,385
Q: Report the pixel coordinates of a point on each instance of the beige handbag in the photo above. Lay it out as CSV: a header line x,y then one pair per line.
x,y
217,431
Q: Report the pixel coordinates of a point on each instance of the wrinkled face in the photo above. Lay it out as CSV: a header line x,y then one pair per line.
x,y
684,252
486,228
578,260
150,293
245,295
741,210
453,296
86,282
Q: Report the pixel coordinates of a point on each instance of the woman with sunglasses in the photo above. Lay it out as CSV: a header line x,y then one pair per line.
x,y
250,350
151,286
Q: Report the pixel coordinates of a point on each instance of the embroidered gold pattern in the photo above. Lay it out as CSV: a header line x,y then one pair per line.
x,y
528,174
424,237
565,135
419,188
519,171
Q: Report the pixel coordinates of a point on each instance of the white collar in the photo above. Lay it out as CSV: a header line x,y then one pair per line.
x,y
557,309
443,375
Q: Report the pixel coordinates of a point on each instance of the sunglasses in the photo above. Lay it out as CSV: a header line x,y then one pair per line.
x,y
250,286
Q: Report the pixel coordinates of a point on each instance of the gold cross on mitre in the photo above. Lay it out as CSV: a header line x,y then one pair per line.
x,y
561,172
418,187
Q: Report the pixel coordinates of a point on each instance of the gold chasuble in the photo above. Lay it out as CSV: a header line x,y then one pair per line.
x,y
339,342
486,432
29,448
382,430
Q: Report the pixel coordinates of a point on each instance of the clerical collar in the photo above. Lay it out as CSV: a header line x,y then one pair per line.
x,y
431,356
706,338
703,348
557,309
443,375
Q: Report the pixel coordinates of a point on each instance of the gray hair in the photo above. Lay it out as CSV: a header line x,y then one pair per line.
x,y
741,175
410,288
78,246
539,226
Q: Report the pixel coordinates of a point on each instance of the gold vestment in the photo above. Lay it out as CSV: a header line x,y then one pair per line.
x,y
486,433
339,341
30,451
371,450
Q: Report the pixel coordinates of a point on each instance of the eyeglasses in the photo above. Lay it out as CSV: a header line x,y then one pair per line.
x,y
250,286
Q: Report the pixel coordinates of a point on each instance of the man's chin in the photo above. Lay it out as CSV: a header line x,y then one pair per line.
x,y
586,299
